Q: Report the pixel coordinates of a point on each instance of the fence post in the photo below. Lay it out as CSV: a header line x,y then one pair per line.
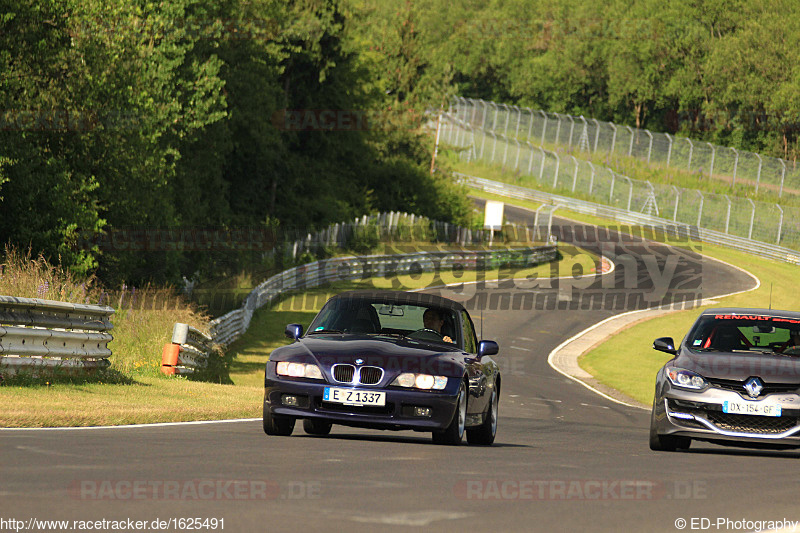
x,y
735,166
780,224
571,128
541,168
516,163
494,145
505,151
530,124
508,115
713,156
630,190
783,175
611,193
677,201
558,127
630,146
483,120
596,133
752,218
544,126
613,138
591,179
669,149
494,121
555,174
691,152
728,215
758,176
575,176
700,211
530,162
650,146
519,118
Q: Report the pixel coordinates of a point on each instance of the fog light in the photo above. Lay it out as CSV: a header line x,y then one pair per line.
x,y
423,411
289,400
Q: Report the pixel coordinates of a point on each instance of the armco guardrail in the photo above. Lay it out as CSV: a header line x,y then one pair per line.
x,y
37,335
231,326
760,249
188,352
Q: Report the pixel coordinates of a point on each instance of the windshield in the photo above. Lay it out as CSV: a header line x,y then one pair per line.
x,y
746,333
367,317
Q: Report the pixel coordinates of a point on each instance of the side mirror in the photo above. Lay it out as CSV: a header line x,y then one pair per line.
x,y
487,348
665,344
293,331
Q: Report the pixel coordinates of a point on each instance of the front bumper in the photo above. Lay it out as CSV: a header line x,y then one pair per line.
x,y
397,414
699,415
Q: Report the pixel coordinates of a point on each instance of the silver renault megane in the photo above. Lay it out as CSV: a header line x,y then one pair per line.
x,y
734,380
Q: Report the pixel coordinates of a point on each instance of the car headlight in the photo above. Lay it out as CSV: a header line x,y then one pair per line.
x,y
686,378
420,381
298,370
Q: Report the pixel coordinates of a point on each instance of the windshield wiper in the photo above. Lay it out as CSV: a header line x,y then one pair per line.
x,y
324,331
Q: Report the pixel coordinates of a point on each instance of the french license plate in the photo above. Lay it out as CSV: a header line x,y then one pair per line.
x,y
354,397
748,408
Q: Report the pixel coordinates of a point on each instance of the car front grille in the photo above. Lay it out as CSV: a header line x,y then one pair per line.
x,y
761,425
738,386
366,375
344,373
370,375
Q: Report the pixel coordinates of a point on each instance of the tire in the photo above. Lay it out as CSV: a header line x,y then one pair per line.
x,y
665,443
277,425
316,427
454,433
485,433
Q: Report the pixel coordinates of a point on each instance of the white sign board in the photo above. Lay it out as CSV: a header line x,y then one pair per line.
x,y
493,218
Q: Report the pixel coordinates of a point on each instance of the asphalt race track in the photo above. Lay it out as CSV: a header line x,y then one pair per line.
x,y
565,458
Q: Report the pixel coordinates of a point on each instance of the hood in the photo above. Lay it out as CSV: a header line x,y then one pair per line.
x,y
394,355
740,366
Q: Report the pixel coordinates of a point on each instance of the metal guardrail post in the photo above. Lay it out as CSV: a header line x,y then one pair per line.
x,y
611,193
752,218
780,224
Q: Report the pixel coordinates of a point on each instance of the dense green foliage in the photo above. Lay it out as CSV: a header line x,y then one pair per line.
x,y
192,113
726,71
142,115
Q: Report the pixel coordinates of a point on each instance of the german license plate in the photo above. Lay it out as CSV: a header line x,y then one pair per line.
x,y
354,397
751,408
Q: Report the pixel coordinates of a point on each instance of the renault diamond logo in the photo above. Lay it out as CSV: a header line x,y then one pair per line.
x,y
361,362
753,386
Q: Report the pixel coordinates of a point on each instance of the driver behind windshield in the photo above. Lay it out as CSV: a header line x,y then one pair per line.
x,y
793,344
433,320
